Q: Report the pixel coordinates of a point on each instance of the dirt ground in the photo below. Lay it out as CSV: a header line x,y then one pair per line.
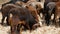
x,y
40,30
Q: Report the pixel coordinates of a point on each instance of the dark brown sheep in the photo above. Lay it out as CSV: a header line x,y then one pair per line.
x,y
22,16
5,11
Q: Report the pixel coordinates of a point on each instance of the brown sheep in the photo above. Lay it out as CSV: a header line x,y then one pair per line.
x,y
5,11
22,16
57,13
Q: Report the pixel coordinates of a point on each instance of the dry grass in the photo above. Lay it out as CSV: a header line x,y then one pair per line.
x,y
40,30
3,1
